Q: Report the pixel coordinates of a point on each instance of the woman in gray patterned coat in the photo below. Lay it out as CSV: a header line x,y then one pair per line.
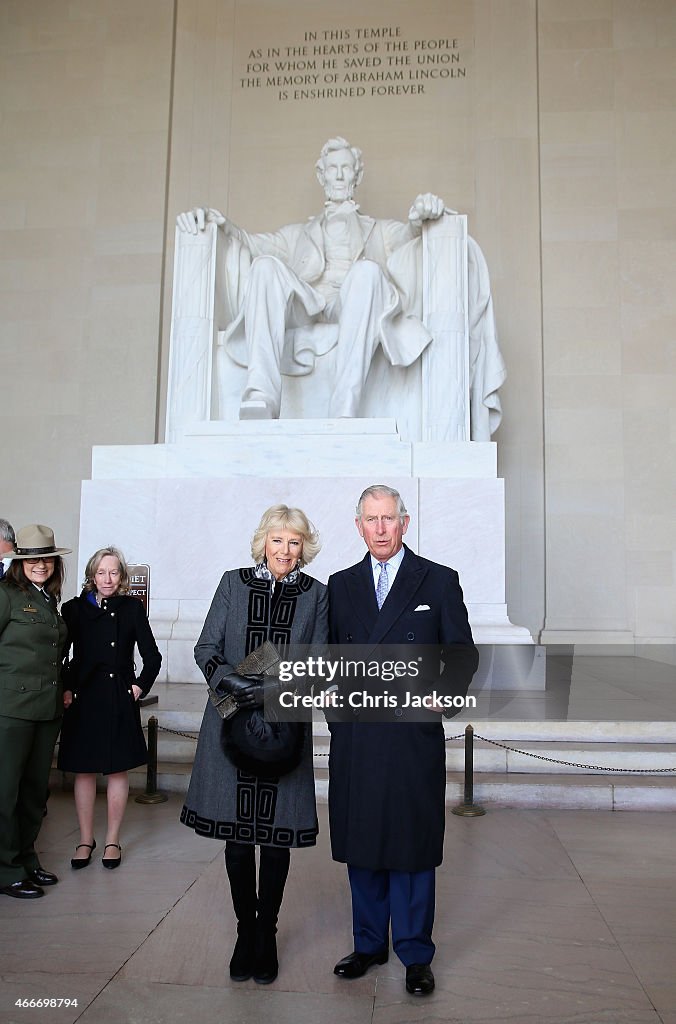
x,y
275,601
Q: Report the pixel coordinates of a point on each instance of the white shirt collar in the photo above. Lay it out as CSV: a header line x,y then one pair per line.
x,y
393,565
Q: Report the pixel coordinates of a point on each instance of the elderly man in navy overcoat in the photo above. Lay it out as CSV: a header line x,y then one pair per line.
x,y
387,779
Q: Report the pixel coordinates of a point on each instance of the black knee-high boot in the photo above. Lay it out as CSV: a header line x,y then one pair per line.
x,y
240,864
274,868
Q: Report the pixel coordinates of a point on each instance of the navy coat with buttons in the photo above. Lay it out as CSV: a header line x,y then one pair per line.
x,y
387,779
101,729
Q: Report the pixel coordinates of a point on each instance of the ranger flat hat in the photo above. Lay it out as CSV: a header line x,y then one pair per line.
x,y
36,541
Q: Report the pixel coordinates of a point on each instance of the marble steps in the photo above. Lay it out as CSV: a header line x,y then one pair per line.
x,y
503,777
617,745
171,717
497,789
509,778
580,758
616,792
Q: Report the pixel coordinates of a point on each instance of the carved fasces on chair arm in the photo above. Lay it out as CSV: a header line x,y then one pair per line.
x,y
445,362
193,329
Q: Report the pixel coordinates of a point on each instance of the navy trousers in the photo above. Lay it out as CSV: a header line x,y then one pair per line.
x,y
403,900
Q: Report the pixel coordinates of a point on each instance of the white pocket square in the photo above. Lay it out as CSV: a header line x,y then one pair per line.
x,y
422,608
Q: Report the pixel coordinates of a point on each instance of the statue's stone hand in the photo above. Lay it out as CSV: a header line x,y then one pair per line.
x,y
427,206
191,221
195,220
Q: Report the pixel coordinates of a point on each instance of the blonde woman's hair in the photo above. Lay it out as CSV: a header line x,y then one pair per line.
x,y
94,562
281,517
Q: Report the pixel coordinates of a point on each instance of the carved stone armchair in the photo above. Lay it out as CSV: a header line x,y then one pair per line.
x,y
429,400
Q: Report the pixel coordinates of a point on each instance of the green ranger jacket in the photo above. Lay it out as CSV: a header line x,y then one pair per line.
x,y
32,642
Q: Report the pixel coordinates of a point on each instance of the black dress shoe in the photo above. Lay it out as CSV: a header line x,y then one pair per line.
x,y
419,980
357,964
42,877
23,890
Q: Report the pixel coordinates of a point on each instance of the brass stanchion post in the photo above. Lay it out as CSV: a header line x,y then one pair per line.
x,y
151,795
468,809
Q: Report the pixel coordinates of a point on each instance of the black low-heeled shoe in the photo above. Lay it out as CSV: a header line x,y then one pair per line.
x,y
82,862
112,862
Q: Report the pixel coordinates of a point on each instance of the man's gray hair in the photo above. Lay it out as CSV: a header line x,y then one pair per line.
x,y
7,532
382,491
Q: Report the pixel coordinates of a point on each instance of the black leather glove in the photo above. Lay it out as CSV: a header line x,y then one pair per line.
x,y
244,692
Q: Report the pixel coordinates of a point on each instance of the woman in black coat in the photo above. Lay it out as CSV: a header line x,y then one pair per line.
x,y
102,723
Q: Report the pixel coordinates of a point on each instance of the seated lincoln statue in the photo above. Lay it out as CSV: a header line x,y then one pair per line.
x,y
343,268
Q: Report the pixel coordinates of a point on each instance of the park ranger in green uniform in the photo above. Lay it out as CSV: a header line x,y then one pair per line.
x,y
32,642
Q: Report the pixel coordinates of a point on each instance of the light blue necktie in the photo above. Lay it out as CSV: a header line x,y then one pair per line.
x,y
383,584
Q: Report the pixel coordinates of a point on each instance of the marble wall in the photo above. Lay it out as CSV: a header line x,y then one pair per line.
x,y
608,159
558,143
85,92
472,139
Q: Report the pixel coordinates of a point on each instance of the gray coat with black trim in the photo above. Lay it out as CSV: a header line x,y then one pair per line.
x,y
222,803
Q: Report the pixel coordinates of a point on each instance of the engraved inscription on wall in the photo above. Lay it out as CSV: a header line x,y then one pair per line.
x,y
352,63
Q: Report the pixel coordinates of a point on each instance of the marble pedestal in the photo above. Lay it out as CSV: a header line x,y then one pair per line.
x,y
189,510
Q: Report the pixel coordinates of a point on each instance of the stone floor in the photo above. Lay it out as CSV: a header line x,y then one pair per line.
x,y
543,917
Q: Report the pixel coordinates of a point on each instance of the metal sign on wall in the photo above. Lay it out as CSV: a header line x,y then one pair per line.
x,y
139,583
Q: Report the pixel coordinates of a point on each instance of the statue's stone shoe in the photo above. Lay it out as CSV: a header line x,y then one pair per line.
x,y
256,408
